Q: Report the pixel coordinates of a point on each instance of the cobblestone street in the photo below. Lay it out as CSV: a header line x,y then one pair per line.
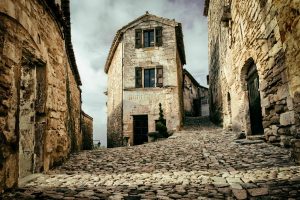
x,y
192,164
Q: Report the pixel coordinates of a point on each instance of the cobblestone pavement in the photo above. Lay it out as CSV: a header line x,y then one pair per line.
x,y
192,164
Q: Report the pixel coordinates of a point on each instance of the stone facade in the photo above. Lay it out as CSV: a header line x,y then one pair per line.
x,y
87,131
126,100
40,98
195,96
264,34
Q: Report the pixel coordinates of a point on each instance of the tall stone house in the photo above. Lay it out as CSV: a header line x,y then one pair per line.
x,y
254,71
144,68
195,96
40,95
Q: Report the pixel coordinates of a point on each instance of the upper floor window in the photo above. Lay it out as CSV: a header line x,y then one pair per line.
x,y
152,77
148,38
149,78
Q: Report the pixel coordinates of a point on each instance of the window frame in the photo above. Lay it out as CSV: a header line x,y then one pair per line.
x,y
142,78
147,32
157,36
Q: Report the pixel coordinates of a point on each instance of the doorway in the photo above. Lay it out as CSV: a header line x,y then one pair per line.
x,y
196,107
27,121
32,94
254,101
140,129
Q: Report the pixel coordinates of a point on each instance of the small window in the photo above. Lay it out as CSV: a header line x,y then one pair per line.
x,y
138,77
149,38
149,78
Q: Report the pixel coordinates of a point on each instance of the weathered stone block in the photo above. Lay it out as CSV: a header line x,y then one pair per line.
x,y
279,109
285,141
290,104
282,92
284,131
275,119
273,139
287,118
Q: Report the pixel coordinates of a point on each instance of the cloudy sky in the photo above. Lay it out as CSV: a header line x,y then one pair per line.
x,y
94,24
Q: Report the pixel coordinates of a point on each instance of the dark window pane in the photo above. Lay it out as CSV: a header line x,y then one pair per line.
x,y
149,78
146,39
151,36
152,77
146,78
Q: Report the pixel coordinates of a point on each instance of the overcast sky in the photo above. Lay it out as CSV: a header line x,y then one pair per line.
x,y
94,24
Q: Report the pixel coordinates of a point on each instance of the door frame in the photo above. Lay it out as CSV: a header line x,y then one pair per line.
x,y
135,117
252,74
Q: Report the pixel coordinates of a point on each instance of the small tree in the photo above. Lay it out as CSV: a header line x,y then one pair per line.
x,y
161,124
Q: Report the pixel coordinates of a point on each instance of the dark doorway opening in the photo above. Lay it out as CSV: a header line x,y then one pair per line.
x,y
140,129
254,101
197,107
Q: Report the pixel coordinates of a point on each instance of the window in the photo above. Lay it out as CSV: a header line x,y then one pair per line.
x,y
153,77
149,78
148,38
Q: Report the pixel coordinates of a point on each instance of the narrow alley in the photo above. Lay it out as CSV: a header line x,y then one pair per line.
x,y
196,163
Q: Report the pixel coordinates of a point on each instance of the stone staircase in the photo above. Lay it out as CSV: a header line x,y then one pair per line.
x,y
198,123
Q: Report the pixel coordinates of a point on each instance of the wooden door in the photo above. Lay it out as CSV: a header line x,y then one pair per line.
x,y
254,102
27,121
140,129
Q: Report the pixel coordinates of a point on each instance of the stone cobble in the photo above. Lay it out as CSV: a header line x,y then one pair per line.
x,y
192,164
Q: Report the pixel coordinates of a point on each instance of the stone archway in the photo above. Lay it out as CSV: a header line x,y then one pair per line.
x,y
250,84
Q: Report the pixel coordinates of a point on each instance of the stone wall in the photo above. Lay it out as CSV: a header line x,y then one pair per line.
x,y
87,131
191,97
204,96
114,100
264,33
40,98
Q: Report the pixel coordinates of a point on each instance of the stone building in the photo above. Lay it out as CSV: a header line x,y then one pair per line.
x,y
195,96
144,68
40,95
87,131
254,71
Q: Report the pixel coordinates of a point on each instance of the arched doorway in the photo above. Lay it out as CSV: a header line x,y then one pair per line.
x,y
254,100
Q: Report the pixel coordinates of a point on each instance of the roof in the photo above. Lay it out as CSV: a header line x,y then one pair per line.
x,y
206,7
187,73
146,17
62,17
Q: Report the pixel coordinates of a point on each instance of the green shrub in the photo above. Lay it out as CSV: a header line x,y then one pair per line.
x,y
161,124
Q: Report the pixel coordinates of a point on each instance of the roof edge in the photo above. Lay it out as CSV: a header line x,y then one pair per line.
x,y
195,82
119,35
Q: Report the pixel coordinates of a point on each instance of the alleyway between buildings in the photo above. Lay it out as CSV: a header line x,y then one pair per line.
x,y
196,163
